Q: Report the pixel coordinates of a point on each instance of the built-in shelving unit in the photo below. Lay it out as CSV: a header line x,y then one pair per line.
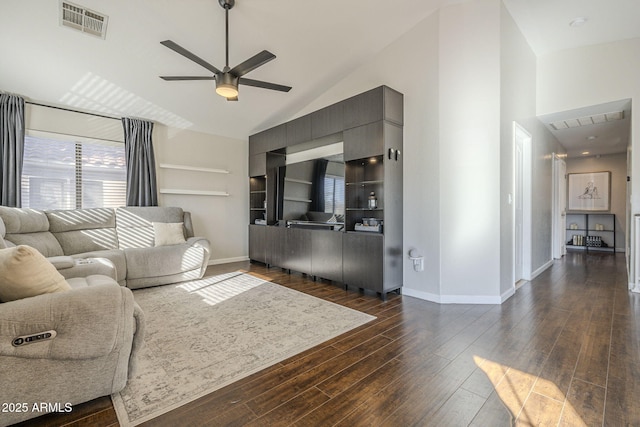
x,y
591,232
257,198
369,128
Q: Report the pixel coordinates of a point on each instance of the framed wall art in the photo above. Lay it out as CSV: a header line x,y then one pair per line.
x,y
589,192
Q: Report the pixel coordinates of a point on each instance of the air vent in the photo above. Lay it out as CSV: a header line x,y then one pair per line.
x,y
83,19
588,120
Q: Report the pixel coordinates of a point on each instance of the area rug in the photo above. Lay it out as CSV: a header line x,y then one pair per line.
x,y
206,334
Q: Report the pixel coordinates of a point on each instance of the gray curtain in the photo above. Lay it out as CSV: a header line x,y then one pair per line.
x,y
141,164
11,149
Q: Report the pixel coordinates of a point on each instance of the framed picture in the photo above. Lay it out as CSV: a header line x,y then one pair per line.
x,y
589,191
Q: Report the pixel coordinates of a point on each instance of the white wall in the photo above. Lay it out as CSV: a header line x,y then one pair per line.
x,y
223,220
594,75
617,165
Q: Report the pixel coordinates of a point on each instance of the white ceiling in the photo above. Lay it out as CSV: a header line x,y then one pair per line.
x,y
316,43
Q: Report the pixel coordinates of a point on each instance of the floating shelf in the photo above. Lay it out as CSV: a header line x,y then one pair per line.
x,y
297,199
299,181
194,192
192,168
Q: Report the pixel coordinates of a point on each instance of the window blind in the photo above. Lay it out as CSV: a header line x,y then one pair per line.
x,y
67,174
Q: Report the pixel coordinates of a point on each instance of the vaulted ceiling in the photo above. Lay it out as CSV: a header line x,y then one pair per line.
x,y
316,43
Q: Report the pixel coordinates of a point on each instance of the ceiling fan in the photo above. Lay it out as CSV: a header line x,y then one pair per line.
x,y
228,79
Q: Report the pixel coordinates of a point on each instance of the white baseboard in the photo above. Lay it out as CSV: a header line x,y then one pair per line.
x,y
227,260
507,294
421,295
458,299
540,270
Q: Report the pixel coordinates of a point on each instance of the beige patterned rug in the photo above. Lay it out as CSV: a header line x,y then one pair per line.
x,y
203,335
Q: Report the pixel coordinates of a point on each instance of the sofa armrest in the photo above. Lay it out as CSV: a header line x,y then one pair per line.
x,y
199,241
83,267
138,339
61,262
88,323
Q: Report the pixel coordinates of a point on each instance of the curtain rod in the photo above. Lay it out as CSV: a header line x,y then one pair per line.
x,y
73,111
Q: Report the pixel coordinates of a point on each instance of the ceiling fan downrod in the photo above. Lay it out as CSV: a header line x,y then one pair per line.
x,y
226,5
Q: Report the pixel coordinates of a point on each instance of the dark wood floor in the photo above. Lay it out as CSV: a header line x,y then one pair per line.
x,y
564,350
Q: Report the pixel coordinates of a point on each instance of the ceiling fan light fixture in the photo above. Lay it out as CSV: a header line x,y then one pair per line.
x,y
226,85
227,90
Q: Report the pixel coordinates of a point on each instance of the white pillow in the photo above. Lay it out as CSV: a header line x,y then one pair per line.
x,y
168,233
25,272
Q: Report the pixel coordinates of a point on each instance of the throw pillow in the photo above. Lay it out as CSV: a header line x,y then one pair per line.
x,y
168,233
25,272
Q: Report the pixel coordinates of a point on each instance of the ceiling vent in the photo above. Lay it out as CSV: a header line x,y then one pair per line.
x,y
83,19
588,120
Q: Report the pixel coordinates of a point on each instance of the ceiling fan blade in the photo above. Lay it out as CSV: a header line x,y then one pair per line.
x,y
175,78
184,52
252,63
235,98
264,85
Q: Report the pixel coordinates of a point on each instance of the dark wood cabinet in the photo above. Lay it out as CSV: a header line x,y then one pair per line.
x,y
258,164
363,261
326,254
297,250
258,243
364,141
275,244
368,107
268,140
298,130
370,126
327,121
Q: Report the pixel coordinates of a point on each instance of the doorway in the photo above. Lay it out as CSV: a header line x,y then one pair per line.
x,y
521,204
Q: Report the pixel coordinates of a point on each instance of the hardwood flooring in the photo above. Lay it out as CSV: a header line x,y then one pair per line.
x,y
564,350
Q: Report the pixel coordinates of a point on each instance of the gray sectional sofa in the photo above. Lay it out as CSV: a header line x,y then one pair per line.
x,y
97,328
125,236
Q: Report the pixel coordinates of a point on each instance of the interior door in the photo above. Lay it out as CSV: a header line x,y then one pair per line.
x,y
559,207
518,209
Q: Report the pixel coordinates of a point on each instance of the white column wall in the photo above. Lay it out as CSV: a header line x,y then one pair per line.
x,y
470,152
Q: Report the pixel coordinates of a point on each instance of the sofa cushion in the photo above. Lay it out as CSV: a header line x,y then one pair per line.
x,y
43,241
162,260
80,219
25,272
21,220
92,280
168,233
84,230
134,225
29,227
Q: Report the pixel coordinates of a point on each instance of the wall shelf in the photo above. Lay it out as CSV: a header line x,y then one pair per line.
x,y
299,181
193,192
193,168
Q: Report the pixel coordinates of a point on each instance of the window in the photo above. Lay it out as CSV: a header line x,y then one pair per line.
x,y
334,194
67,174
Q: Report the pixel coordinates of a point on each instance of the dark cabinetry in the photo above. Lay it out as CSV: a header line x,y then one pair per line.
x,y
370,126
326,255
363,264
298,130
